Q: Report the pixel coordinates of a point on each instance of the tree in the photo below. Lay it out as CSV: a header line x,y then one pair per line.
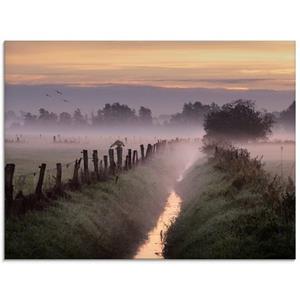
x,y
192,114
238,120
98,118
46,118
145,115
117,113
30,119
78,118
65,119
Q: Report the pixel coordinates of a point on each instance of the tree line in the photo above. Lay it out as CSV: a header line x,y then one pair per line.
x,y
231,119
111,114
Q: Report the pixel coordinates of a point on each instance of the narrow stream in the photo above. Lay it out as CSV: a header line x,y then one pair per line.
x,y
152,248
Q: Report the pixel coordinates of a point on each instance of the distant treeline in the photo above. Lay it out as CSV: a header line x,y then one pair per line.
x,y
116,114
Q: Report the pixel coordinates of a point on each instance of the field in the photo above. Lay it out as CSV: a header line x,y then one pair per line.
x,y
277,161
34,150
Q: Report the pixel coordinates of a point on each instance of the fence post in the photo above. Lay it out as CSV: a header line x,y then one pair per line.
x,y
105,159
39,186
129,159
142,152
134,159
119,157
86,166
112,164
95,161
126,163
58,177
75,180
149,150
9,188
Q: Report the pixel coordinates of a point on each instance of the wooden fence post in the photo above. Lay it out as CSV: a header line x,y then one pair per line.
x,y
75,180
39,186
95,161
86,166
112,164
119,157
105,159
149,150
129,159
142,152
58,177
134,159
9,188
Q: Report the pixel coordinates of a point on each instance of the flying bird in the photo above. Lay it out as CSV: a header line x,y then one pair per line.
x,y
58,92
47,95
65,100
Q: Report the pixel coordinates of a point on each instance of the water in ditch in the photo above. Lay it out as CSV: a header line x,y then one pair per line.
x,y
152,248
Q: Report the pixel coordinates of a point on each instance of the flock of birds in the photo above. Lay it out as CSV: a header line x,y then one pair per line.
x,y
58,94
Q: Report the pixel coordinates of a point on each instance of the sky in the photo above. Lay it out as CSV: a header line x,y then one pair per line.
x,y
215,65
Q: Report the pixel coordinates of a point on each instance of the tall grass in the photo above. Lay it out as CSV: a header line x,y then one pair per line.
x,y
104,220
232,208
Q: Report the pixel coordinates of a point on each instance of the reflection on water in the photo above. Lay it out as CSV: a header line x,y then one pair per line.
x,y
152,248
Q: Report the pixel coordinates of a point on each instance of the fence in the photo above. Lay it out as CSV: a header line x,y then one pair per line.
x,y
50,183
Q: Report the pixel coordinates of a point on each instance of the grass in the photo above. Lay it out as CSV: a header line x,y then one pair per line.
x,y
104,220
232,208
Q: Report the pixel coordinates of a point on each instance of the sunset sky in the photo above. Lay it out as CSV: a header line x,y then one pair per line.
x,y
229,65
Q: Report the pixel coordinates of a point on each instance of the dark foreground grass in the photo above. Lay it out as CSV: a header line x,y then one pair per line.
x,y
233,209
104,220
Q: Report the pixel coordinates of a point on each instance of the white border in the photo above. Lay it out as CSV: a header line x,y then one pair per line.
x,y
148,20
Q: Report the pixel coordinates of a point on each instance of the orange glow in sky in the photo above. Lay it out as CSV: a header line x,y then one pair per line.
x,y
229,65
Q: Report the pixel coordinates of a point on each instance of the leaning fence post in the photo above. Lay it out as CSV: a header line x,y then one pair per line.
x,y
95,161
86,166
58,177
9,188
39,186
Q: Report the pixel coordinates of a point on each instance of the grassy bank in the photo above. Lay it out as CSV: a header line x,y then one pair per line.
x,y
232,208
104,220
